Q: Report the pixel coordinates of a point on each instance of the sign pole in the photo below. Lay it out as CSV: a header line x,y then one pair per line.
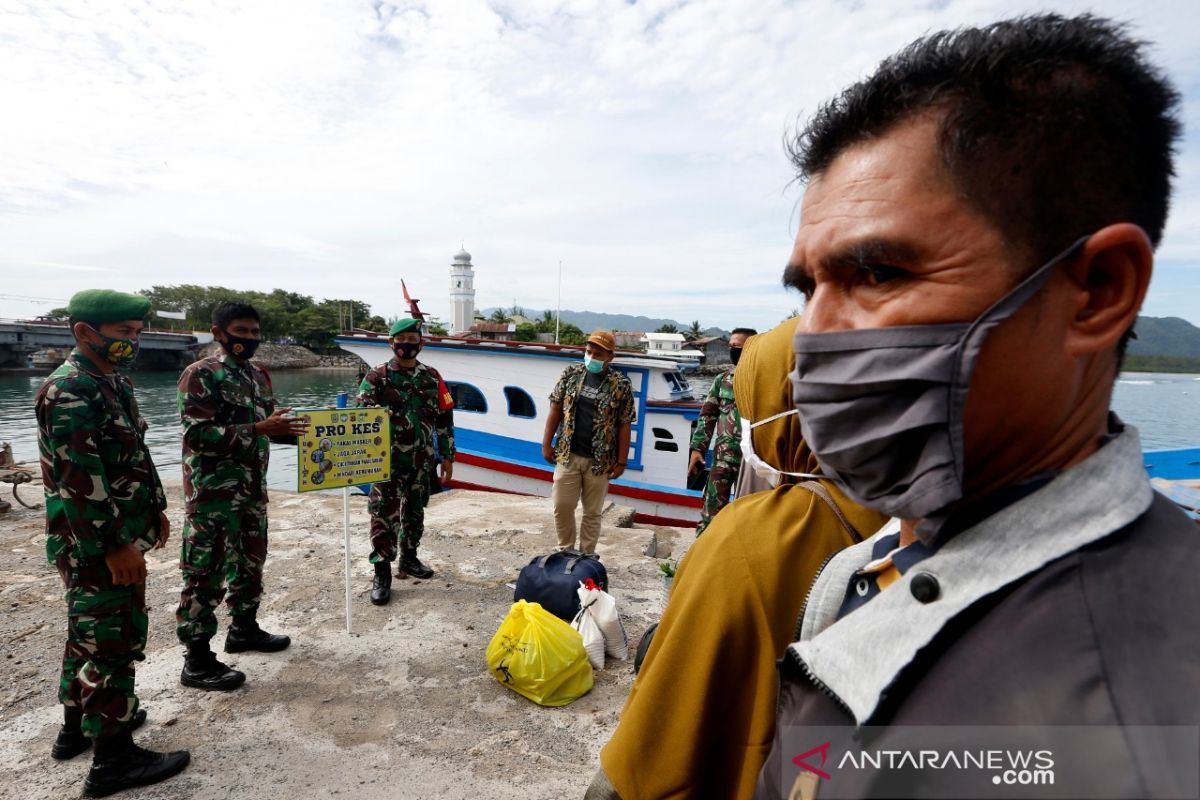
x,y
347,448
346,530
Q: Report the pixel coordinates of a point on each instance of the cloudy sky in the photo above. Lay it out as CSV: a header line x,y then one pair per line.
x,y
333,147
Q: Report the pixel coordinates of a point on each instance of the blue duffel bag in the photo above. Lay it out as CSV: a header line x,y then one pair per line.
x,y
553,581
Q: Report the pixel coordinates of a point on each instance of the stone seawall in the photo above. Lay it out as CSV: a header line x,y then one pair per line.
x,y
290,356
342,359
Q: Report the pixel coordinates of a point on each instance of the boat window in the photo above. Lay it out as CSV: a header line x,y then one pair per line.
x,y
662,433
678,383
670,447
467,397
520,404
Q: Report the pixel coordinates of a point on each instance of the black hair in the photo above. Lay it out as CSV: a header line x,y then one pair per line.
x,y
227,311
747,331
1052,127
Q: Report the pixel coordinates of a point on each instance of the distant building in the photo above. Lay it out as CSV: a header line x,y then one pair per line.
x,y
715,349
499,331
630,340
670,345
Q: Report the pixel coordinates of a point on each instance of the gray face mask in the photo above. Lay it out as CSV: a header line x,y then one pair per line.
x,y
882,408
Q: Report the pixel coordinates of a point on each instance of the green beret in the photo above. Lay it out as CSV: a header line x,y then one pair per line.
x,y
105,305
402,325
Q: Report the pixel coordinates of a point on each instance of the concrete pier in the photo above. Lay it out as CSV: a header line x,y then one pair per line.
x,y
403,708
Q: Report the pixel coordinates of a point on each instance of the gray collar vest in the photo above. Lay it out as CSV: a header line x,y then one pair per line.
x,y
859,656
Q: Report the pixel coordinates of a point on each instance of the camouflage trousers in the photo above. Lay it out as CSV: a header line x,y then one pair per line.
x,y
221,549
398,513
721,479
106,633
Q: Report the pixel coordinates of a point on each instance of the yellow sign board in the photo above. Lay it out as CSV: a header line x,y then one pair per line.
x,y
343,447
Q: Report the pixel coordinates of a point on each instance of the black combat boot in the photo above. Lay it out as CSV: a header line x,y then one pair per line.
x,y
411,565
119,764
201,670
244,634
381,587
71,741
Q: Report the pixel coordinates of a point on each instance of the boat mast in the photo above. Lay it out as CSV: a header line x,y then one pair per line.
x,y
558,310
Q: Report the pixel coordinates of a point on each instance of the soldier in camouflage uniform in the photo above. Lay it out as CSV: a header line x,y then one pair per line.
x,y
421,407
719,414
229,415
104,509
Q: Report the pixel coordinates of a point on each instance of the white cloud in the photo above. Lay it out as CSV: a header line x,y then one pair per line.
x,y
331,148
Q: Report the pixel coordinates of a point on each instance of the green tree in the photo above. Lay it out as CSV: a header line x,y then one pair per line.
x,y
499,315
695,332
315,326
571,334
284,314
668,328
526,332
436,330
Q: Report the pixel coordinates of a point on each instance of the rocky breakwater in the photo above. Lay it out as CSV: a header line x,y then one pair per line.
x,y
273,356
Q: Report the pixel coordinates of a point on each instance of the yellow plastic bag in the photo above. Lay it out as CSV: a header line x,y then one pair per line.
x,y
539,656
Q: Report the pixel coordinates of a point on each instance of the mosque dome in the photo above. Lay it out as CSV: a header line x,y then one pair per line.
x,y
462,257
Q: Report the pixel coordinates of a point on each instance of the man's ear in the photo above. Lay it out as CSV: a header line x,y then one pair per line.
x,y
216,330
80,329
1109,278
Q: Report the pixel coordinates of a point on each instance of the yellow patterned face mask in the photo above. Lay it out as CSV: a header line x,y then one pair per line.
x,y
119,352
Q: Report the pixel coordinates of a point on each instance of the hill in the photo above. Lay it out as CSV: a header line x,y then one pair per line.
x,y
1166,336
591,320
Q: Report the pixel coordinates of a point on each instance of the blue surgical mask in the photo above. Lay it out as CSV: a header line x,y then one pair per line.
x,y
594,365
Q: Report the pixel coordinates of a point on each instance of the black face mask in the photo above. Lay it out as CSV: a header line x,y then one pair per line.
x,y
735,354
406,350
240,346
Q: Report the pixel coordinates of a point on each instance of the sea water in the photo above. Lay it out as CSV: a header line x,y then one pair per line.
x,y
1164,407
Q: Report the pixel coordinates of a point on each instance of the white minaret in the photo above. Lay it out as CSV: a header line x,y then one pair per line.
x,y
462,293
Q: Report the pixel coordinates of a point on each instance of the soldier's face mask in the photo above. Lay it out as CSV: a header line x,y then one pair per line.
x,y
406,350
240,346
121,353
735,354
752,461
882,408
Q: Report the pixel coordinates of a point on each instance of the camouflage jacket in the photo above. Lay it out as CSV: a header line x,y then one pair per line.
x,y
420,407
102,490
224,461
614,407
719,413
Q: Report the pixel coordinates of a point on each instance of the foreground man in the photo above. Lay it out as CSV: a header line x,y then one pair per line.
x,y
104,510
228,413
975,242
719,415
591,411
421,410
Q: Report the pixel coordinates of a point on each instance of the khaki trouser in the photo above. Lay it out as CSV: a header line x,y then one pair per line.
x,y
571,481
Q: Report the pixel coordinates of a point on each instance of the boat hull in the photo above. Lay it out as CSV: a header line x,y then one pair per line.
x,y
658,505
498,446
